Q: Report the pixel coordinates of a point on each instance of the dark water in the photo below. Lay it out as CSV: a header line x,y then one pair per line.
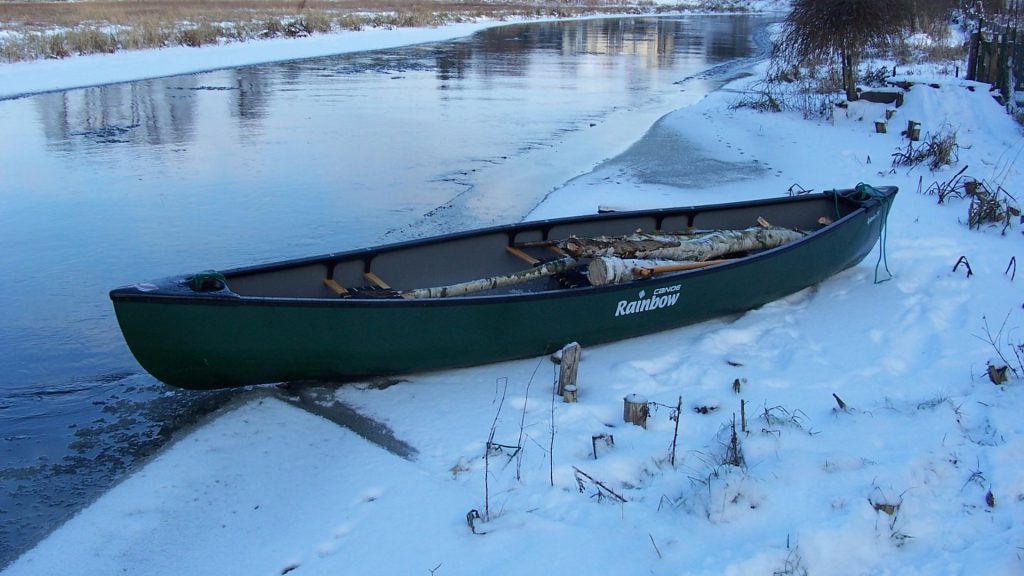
x,y
112,185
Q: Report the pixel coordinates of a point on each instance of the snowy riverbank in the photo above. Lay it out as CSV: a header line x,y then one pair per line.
x,y
920,473
22,78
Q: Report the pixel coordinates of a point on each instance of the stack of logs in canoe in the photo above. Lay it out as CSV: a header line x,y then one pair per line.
x,y
617,259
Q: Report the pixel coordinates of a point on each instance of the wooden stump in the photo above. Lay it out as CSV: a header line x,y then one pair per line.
x,y
913,130
568,367
880,126
570,394
635,410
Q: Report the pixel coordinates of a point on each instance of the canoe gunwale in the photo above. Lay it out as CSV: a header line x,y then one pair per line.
x,y
174,289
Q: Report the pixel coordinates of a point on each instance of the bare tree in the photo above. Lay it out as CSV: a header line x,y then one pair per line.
x,y
842,29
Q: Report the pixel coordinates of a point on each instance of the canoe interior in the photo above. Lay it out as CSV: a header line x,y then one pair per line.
x,y
479,254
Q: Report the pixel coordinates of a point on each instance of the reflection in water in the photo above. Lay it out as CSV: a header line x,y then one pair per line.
x,y
116,184
142,113
163,112
252,94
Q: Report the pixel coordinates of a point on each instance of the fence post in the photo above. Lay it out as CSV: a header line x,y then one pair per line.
x,y
972,56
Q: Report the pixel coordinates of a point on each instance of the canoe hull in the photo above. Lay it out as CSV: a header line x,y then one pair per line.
x,y
222,341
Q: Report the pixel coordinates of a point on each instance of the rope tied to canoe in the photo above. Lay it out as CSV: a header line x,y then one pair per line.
x,y
207,281
865,193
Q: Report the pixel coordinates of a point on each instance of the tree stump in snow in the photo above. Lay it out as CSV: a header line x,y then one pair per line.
x,y
913,130
880,126
568,367
570,394
635,410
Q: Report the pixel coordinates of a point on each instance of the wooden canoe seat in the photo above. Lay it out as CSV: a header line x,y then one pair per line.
x,y
518,253
335,287
376,281
561,253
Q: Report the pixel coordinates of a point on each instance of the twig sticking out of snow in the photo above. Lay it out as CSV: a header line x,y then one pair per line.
x,y
602,489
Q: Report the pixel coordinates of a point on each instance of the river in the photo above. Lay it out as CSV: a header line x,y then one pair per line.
x,y
116,184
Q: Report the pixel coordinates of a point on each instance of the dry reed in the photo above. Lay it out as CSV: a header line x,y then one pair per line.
x,y
52,29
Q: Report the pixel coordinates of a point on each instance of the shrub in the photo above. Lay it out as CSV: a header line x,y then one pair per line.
x,y
91,41
316,22
147,34
199,35
876,76
938,150
14,50
272,28
811,90
991,207
57,46
351,22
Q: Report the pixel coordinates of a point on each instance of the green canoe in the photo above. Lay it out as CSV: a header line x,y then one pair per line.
x,y
353,314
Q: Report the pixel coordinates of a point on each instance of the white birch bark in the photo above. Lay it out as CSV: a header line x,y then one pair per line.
x,y
611,270
669,247
462,288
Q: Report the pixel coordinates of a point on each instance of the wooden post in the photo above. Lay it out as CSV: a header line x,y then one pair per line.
x,y
880,126
972,56
568,367
601,440
635,410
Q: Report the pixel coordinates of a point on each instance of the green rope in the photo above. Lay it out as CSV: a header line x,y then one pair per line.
x,y
867,192
209,280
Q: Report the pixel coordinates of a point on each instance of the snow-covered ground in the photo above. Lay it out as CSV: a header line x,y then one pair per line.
x,y
919,472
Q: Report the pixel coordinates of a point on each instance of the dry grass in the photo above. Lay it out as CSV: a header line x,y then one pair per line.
x,y
57,29
70,14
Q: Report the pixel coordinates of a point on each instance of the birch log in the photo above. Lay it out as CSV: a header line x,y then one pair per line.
x,y
670,247
546,269
611,270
